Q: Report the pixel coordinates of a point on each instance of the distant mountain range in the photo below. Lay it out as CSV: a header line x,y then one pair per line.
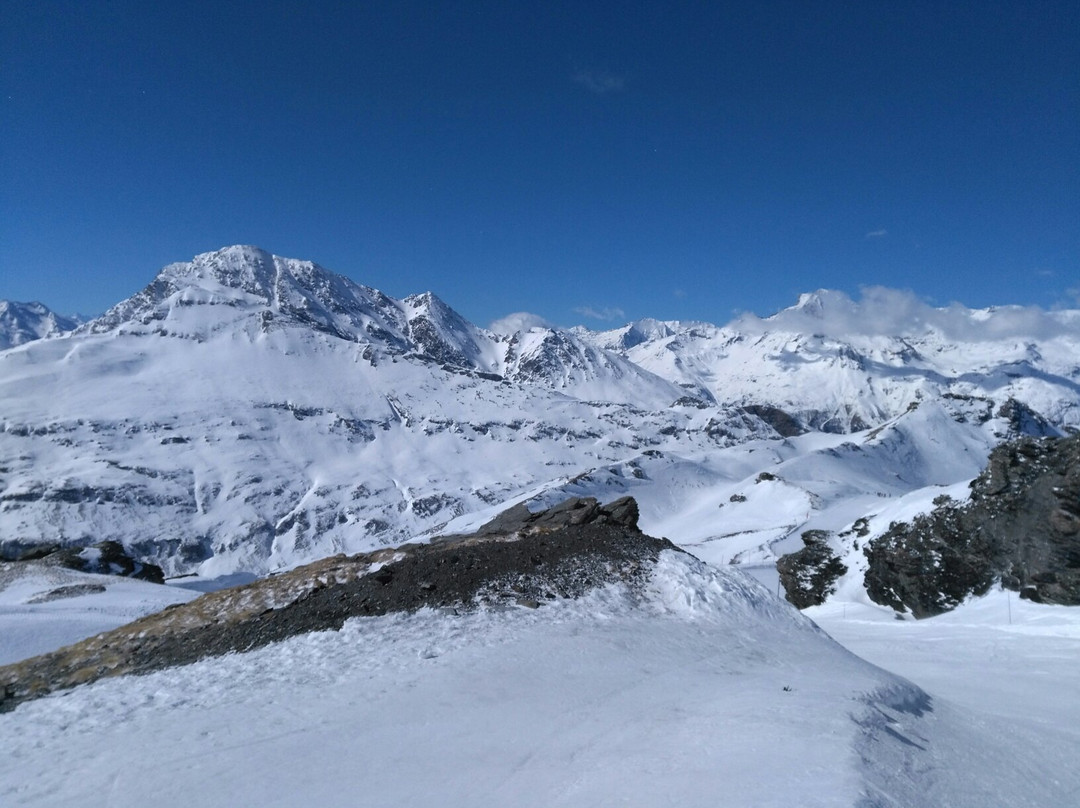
x,y
251,412
24,322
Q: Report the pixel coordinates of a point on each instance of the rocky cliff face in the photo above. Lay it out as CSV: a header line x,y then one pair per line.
x,y
1021,528
519,559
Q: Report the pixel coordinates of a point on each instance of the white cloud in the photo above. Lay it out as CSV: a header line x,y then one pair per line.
x,y
877,233
518,321
895,312
605,314
600,82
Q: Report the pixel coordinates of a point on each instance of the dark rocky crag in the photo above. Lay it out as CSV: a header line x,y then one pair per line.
x,y
103,558
518,559
809,575
1021,528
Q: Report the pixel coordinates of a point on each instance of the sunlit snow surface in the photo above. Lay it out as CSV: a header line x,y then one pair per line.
x,y
31,623
704,691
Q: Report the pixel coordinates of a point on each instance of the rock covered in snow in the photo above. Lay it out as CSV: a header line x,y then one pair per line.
x,y
519,559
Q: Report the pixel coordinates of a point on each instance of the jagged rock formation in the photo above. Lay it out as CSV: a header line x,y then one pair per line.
x,y
1021,528
809,575
518,559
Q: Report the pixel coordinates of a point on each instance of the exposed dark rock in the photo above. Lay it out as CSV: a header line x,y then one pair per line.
x,y
785,425
1021,528
106,558
809,575
17,551
70,591
690,401
572,512
520,558
1025,421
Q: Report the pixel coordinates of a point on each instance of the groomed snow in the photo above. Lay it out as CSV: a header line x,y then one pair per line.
x,y
706,692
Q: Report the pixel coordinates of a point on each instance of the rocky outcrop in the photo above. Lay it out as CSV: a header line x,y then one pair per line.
x,y
569,513
102,558
106,558
1020,528
519,559
809,575
785,425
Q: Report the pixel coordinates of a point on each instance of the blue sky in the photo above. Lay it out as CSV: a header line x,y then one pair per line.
x,y
589,162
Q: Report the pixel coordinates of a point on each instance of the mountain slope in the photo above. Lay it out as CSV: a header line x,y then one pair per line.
x,y
251,412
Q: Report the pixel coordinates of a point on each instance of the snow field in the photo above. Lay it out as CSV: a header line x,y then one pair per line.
x,y
705,691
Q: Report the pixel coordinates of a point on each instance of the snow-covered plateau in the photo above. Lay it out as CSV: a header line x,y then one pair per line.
x,y
246,413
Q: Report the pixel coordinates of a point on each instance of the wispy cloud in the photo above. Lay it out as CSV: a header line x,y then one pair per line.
x,y
600,81
679,294
518,321
894,312
605,314
877,233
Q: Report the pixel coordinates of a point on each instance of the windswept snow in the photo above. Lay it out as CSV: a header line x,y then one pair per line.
x,y
705,692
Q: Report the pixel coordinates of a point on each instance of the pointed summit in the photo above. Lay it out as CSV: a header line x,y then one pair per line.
x,y
442,333
282,290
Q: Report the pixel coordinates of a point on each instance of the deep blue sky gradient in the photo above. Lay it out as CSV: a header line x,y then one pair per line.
x,y
682,160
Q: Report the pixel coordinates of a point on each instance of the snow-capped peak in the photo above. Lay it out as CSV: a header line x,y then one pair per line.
x,y
253,281
442,333
25,322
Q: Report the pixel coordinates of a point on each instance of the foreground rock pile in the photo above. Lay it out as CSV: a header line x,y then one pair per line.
x,y
1020,528
518,559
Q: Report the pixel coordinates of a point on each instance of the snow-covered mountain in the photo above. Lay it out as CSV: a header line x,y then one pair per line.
x,y
840,366
25,322
251,412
